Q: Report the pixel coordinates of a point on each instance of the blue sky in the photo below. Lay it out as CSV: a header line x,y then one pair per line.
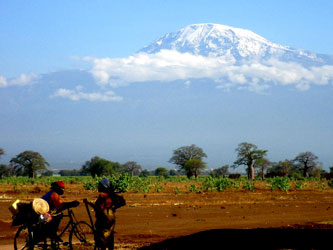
x,y
145,123
43,36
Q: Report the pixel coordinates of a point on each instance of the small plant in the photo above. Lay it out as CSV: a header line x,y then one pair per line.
x,y
223,183
237,184
322,186
176,190
90,186
330,183
281,183
209,184
146,189
194,189
249,185
299,185
158,188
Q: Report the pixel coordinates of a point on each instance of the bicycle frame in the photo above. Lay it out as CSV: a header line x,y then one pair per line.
x,y
87,204
42,241
72,221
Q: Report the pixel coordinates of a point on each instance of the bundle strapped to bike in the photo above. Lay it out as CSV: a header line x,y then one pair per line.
x,y
30,213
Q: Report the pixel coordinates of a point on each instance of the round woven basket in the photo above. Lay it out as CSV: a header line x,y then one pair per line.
x,y
40,206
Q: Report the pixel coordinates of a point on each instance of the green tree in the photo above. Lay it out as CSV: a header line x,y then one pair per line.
x,y
282,168
145,173
161,172
247,154
317,171
3,167
132,168
29,163
73,172
222,171
2,152
47,173
98,167
173,172
183,154
193,166
306,162
331,169
262,164
4,171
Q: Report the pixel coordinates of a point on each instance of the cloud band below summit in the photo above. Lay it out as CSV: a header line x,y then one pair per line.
x,y
171,65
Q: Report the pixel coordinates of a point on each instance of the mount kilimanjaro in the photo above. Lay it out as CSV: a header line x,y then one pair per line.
x,y
234,44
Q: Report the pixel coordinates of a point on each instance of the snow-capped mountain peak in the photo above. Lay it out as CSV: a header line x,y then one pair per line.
x,y
208,39
213,40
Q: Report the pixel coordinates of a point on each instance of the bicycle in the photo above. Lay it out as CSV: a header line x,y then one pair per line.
x,y
84,233
32,236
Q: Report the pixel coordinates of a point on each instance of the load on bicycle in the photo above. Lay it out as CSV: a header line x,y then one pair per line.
x,y
39,220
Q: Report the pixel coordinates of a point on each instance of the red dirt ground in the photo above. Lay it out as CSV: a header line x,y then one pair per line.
x,y
155,217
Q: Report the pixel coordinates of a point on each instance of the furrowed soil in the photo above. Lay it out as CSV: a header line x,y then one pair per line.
x,y
160,217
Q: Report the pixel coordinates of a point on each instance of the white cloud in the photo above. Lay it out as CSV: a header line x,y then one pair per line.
x,y
22,80
3,82
187,83
77,94
170,65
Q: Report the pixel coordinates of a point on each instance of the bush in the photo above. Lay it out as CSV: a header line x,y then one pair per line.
x,y
249,185
299,185
194,189
218,184
223,183
281,183
330,183
90,185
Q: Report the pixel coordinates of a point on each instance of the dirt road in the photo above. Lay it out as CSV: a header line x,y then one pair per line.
x,y
155,217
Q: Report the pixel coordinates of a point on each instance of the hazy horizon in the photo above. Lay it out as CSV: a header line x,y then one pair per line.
x,y
72,85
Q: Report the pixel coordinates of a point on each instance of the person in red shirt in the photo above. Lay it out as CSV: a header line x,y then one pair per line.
x,y
56,207
105,207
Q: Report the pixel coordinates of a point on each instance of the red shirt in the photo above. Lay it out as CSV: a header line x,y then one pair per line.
x,y
103,201
53,199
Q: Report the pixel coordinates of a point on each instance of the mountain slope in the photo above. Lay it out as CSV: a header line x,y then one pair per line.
x,y
235,44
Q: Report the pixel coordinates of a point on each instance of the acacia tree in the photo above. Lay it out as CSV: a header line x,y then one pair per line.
x,y
183,154
161,171
247,154
307,162
2,152
98,167
193,166
282,168
222,171
29,163
262,164
132,168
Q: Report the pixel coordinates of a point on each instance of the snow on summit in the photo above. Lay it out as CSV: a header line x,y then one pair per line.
x,y
229,57
213,40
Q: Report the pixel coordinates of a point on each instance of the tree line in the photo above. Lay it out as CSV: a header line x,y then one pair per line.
x,y
188,159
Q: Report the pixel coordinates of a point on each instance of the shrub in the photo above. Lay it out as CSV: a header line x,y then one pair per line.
x,y
249,185
281,183
330,183
90,185
299,185
223,183
194,189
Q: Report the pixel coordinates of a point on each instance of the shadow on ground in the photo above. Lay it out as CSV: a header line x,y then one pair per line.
x,y
259,239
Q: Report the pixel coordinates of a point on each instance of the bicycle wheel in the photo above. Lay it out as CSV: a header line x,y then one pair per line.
x,y
82,237
23,239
